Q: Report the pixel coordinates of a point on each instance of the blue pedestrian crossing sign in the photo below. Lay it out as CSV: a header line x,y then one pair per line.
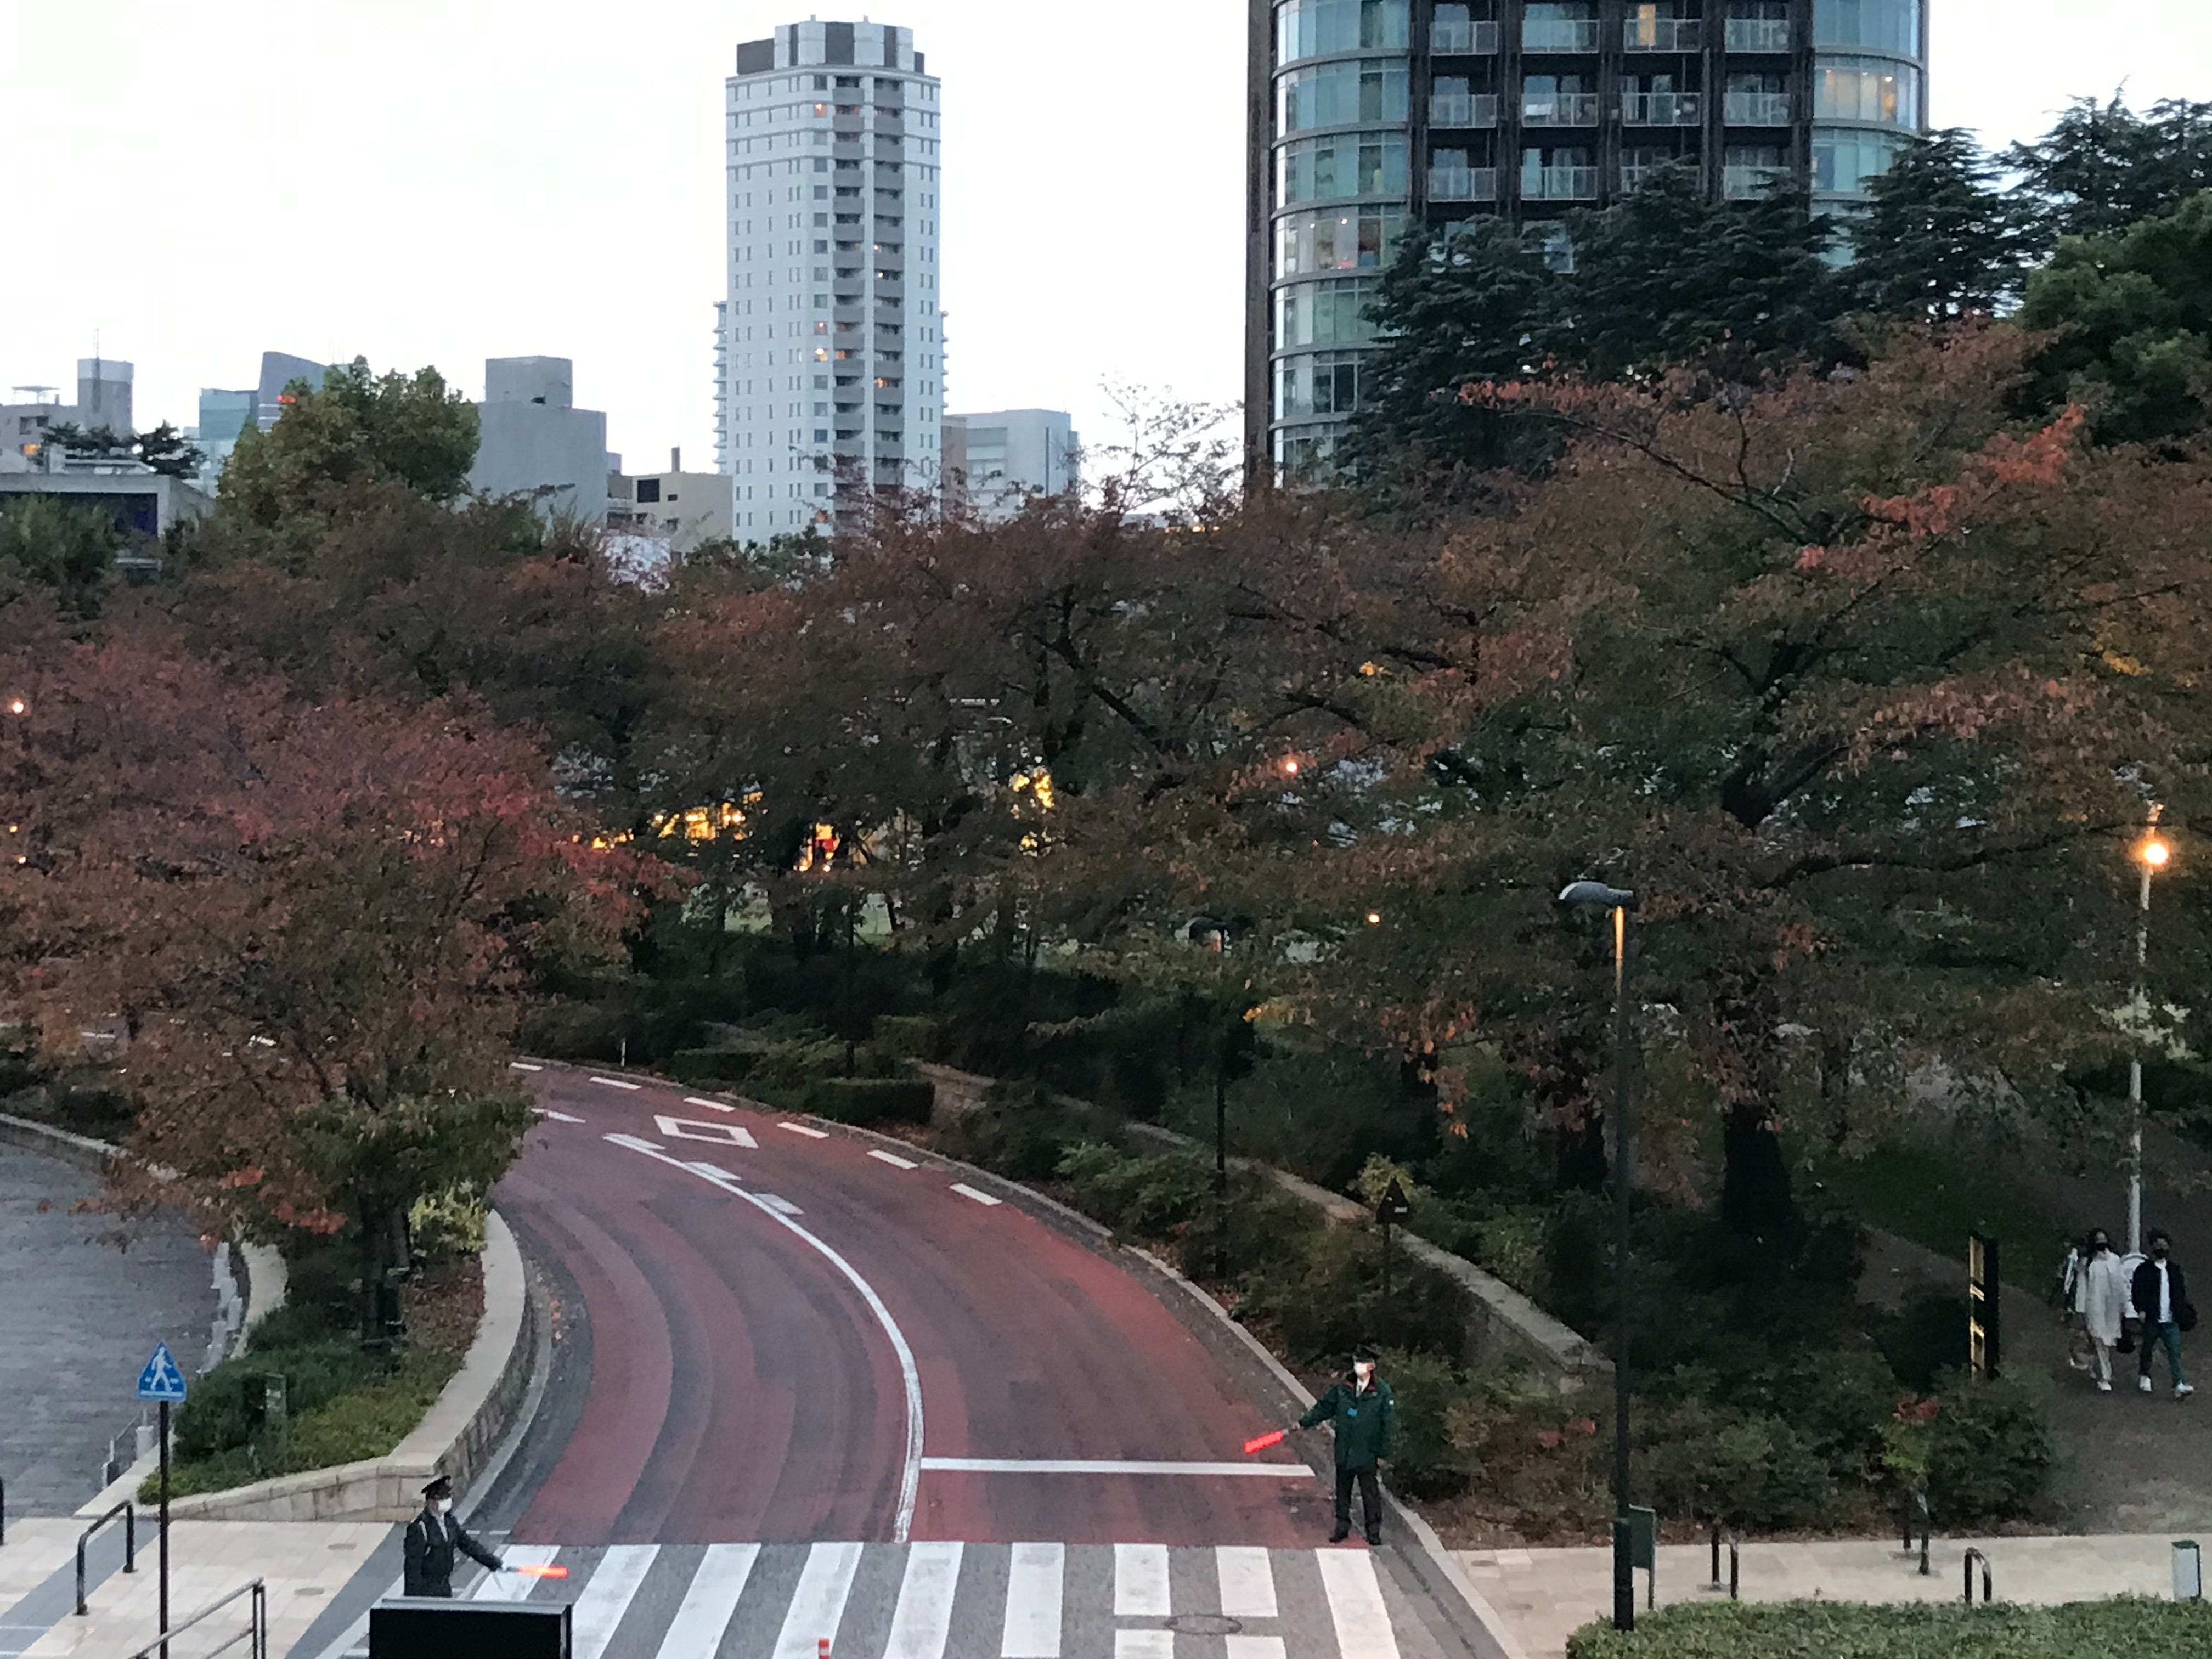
x,y
162,1379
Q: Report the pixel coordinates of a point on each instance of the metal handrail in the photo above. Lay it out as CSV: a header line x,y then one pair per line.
x,y
256,1630
130,1545
1721,1534
1972,1556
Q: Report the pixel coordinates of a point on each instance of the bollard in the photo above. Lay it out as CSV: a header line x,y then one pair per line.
x,y
822,1647
1972,1556
2187,1571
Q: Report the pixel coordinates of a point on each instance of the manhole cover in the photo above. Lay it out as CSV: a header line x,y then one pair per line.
x,y
1205,1623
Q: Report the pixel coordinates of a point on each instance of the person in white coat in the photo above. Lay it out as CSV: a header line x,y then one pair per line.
x,y
2105,1295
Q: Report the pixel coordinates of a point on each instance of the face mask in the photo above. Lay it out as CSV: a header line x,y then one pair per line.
x,y
1364,1373
444,1506
2158,1251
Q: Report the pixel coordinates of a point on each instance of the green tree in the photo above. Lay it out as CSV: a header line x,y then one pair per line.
x,y
2102,166
2134,315
65,549
165,450
359,428
1938,240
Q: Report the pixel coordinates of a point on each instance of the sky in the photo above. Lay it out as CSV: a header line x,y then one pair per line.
x,y
421,181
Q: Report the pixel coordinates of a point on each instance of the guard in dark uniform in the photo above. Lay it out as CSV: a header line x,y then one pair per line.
x,y
434,1537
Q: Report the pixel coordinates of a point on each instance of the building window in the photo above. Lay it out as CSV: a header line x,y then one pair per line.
x,y
648,491
1307,28
1363,239
1889,25
1341,95
1325,384
1563,175
1844,162
1559,26
1749,171
1867,89
1356,164
1324,313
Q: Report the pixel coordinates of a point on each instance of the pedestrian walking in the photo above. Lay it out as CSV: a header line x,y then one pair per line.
x,y
2160,1297
2071,1300
1361,1410
434,1539
2105,1293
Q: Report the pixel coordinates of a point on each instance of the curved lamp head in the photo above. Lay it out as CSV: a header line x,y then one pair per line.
x,y
1597,892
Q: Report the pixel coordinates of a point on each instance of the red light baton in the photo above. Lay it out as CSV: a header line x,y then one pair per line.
x,y
1266,1441
542,1572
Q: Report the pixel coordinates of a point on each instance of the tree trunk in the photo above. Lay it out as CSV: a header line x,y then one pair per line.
x,y
1755,1198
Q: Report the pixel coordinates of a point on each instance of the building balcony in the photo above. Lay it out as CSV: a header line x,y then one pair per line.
x,y
1747,183
1662,34
1559,35
1474,39
1559,109
1463,109
1659,109
1462,184
1558,184
1755,109
849,150
1758,34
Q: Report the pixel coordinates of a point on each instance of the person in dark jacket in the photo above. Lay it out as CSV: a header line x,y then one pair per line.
x,y
1365,1417
434,1539
2161,1302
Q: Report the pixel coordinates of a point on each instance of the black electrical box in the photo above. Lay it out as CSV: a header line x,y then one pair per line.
x,y
424,1627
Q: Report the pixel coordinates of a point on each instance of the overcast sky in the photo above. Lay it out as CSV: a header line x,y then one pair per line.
x,y
422,181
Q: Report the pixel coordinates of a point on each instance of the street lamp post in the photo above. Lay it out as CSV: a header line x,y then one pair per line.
x,y
1620,902
2152,854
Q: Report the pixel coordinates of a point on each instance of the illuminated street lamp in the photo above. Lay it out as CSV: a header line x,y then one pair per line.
x,y
2152,852
17,706
1597,895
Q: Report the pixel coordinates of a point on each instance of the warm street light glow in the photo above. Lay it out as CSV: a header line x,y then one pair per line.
x,y
17,706
2154,853
1290,767
1374,918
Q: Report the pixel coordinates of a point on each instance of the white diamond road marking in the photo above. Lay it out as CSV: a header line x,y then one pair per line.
x,y
719,1135
514,1586
618,1083
711,1105
801,1129
1355,1603
893,1159
923,1620
558,1117
1140,1584
819,1601
780,1205
600,1609
522,1066
710,1602
966,1191
1247,1582
1034,1584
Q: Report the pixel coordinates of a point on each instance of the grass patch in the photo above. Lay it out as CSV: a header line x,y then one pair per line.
x,y
1935,1199
2138,1628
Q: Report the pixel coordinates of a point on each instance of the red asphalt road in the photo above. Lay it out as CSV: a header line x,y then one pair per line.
x,y
742,1390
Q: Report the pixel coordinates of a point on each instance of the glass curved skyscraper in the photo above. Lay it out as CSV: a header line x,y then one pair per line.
x,y
1368,116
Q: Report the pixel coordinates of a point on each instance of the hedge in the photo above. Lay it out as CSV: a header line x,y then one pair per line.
x,y
2132,1627
865,1100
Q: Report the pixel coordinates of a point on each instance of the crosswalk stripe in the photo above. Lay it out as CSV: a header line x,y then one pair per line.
x,y
819,1601
1034,1587
1247,1582
893,1159
923,1619
801,1129
1141,1581
1255,1647
514,1586
618,1083
608,1596
710,1602
1355,1603
1144,1644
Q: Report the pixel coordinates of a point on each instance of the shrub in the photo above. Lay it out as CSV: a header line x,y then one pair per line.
x,y
225,1410
1155,1197
1990,1454
905,1036
572,1030
799,1061
2137,1627
1925,1337
1714,1463
1527,1448
364,1422
1324,1295
1424,1463
1019,1132
448,1225
711,1065
865,1100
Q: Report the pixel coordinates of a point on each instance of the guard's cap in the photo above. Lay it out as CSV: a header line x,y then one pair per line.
x,y
1365,1354
441,1487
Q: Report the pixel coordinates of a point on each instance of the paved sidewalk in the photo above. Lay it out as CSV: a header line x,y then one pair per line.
x,y
1547,1595
303,1564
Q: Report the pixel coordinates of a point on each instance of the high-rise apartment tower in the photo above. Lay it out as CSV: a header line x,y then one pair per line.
x,y
1372,116
831,359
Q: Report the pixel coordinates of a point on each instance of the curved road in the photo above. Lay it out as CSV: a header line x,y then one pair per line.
x,y
745,1315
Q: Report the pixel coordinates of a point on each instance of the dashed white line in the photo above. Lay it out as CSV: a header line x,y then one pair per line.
x,y
893,1159
801,1129
635,1143
1103,1465
618,1083
712,1171
966,1191
522,1066
558,1117
711,1105
780,1205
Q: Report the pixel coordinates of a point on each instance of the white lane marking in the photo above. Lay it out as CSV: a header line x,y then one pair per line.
x,y
710,1602
1034,1583
618,1083
635,1143
711,1105
1247,1582
966,1191
714,1171
909,1373
1096,1466
558,1117
1355,1602
1144,1644
608,1596
1140,1584
923,1620
1255,1647
893,1159
719,1134
514,1586
522,1066
801,1129
780,1205
819,1601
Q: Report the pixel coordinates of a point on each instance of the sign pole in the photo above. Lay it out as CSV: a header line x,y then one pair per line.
x,y
164,1432
162,1382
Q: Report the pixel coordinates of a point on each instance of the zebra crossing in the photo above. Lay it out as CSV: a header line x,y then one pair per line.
x,y
952,1600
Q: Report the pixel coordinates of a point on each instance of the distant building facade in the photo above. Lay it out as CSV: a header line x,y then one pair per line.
x,y
226,414
536,443
683,509
994,462
103,398
144,503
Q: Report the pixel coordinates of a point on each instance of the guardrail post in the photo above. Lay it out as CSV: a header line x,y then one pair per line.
x,y
1716,1554
1735,1566
1967,1565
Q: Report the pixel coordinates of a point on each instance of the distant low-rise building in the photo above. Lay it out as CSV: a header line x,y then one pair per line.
x,y
996,461
536,443
144,503
683,509
103,399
